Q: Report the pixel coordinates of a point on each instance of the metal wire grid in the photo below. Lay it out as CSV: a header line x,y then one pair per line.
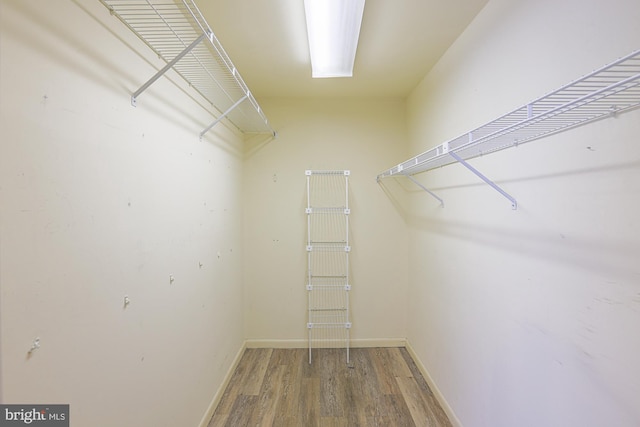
x,y
328,305
328,260
168,27
610,90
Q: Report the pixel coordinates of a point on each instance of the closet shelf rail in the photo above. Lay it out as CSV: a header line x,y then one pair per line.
x,y
178,33
605,92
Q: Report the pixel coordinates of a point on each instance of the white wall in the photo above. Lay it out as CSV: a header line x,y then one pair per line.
x,y
99,200
529,317
359,135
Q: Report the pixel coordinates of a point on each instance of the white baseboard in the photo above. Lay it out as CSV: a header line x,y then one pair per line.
x,y
434,388
218,396
303,343
293,343
379,342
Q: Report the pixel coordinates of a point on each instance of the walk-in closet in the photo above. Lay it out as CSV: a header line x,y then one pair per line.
x,y
203,225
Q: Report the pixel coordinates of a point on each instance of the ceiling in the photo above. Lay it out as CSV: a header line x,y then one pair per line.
x,y
400,40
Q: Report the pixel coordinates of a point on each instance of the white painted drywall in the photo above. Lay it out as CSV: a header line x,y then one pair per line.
x,y
100,200
359,135
530,317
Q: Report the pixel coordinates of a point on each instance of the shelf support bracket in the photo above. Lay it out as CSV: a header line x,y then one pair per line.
x,y
426,189
223,115
514,203
164,69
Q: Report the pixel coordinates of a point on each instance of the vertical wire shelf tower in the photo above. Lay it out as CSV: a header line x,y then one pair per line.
x,y
328,249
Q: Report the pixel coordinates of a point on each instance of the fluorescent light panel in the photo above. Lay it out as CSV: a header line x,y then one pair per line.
x,y
333,27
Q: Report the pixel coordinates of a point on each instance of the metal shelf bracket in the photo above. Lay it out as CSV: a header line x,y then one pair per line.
x,y
223,115
426,189
166,68
514,203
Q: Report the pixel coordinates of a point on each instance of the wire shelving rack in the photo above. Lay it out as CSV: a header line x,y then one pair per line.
x,y
606,92
178,33
328,285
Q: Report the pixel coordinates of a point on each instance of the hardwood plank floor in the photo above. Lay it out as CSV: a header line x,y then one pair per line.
x,y
279,388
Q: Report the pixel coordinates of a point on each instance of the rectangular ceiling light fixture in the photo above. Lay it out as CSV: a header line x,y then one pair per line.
x,y
333,27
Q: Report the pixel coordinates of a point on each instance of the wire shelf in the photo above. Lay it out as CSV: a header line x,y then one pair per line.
x,y
178,33
328,251
606,92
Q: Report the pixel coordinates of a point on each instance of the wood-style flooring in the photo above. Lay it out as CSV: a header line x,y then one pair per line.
x,y
279,388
